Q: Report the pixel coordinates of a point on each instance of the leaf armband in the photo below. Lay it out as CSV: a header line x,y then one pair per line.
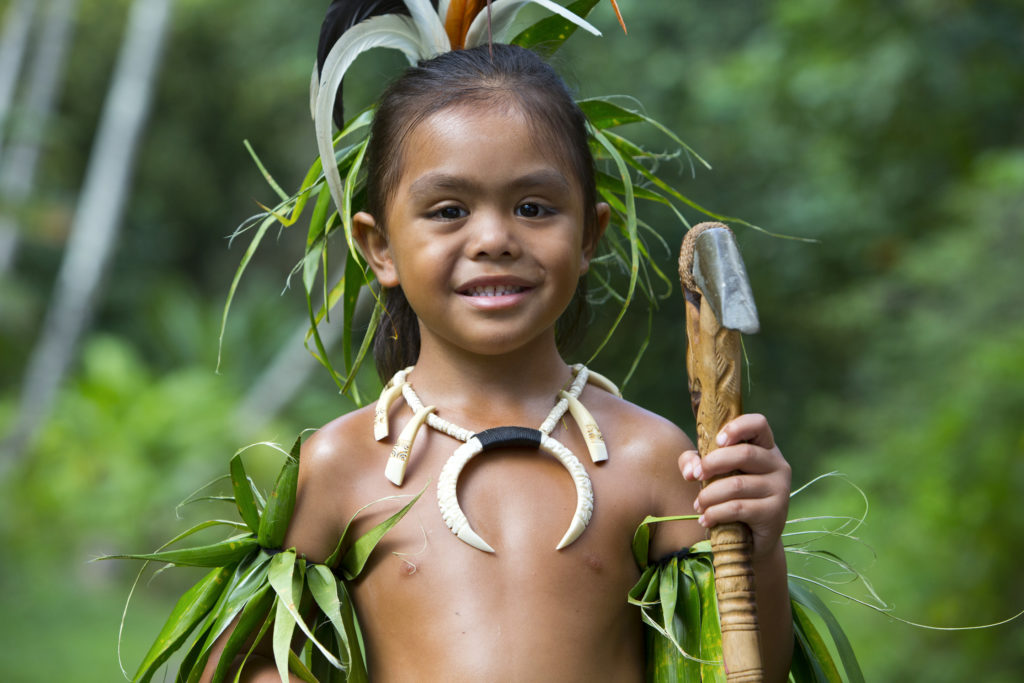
x,y
678,605
264,590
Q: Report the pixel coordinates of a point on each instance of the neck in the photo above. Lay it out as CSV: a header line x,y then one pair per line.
x,y
481,391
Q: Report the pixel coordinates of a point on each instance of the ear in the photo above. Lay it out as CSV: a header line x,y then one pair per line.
x,y
591,241
375,248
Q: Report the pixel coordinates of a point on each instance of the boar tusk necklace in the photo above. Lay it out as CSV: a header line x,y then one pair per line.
x,y
490,439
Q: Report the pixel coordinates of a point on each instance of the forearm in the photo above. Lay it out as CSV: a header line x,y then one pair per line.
x,y
774,614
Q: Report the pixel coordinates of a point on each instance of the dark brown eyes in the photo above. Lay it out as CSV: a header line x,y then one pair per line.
x,y
531,210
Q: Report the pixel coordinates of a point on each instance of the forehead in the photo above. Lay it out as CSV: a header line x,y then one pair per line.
x,y
481,139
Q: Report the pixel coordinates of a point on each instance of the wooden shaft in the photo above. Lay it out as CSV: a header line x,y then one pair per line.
x,y
714,368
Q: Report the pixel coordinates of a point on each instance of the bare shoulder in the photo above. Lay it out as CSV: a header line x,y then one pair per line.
x,y
644,437
336,446
651,446
331,467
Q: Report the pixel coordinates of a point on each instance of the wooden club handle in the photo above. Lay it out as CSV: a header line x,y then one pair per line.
x,y
713,361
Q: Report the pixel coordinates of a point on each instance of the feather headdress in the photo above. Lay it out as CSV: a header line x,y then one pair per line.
x,y
421,29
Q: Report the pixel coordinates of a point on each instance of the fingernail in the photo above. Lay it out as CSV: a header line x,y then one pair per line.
x,y
688,471
698,471
702,521
722,438
696,506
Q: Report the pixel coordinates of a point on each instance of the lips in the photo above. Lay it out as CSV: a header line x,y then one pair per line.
x,y
495,292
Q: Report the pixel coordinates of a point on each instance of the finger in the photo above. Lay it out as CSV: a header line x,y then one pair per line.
x,y
690,466
750,511
743,457
737,487
752,428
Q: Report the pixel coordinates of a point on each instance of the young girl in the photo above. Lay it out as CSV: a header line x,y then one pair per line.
x,y
480,222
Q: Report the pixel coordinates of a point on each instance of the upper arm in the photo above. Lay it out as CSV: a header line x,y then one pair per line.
x,y
325,491
669,493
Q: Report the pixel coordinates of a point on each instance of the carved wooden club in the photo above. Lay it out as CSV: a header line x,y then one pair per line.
x,y
719,306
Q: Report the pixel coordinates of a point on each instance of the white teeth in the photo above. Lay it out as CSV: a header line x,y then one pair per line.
x,y
490,290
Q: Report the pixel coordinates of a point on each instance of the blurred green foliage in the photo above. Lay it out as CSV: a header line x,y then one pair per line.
x,y
893,348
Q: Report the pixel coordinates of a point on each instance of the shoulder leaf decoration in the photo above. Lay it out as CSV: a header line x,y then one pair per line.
x,y
262,585
677,602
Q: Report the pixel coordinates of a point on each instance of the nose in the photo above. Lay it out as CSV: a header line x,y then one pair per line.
x,y
492,236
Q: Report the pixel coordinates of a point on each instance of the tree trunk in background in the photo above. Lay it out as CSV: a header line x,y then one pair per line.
x,y
18,163
96,222
13,41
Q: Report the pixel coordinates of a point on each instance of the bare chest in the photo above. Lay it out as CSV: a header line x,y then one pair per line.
x,y
481,607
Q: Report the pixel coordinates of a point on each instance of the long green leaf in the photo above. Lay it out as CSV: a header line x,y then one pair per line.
x,y
222,613
357,664
263,169
642,536
286,575
256,611
668,592
244,499
316,241
194,660
815,659
247,581
190,609
801,667
345,211
710,653
250,251
355,559
284,627
629,153
323,587
548,34
630,228
297,667
353,280
364,347
278,512
806,599
213,555
604,114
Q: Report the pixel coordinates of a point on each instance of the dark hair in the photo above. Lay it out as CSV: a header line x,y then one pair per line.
x,y
495,74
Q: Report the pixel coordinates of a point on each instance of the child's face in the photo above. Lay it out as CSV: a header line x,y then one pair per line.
x,y
484,231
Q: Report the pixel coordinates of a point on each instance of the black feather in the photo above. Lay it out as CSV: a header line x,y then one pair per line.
x,y
343,15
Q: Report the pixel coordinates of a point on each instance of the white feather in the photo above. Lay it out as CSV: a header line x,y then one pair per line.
x,y
314,90
430,26
390,30
503,14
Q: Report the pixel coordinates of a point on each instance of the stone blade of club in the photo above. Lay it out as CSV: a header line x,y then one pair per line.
x,y
719,272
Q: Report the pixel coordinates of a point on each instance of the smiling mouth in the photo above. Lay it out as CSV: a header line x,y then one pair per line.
x,y
492,290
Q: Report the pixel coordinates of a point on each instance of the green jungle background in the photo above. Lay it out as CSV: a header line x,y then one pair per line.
x,y
892,347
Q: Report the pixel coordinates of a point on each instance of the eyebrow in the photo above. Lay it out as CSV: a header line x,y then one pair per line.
x,y
433,182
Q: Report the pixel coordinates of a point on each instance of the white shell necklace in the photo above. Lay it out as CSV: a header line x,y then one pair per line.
x,y
489,439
